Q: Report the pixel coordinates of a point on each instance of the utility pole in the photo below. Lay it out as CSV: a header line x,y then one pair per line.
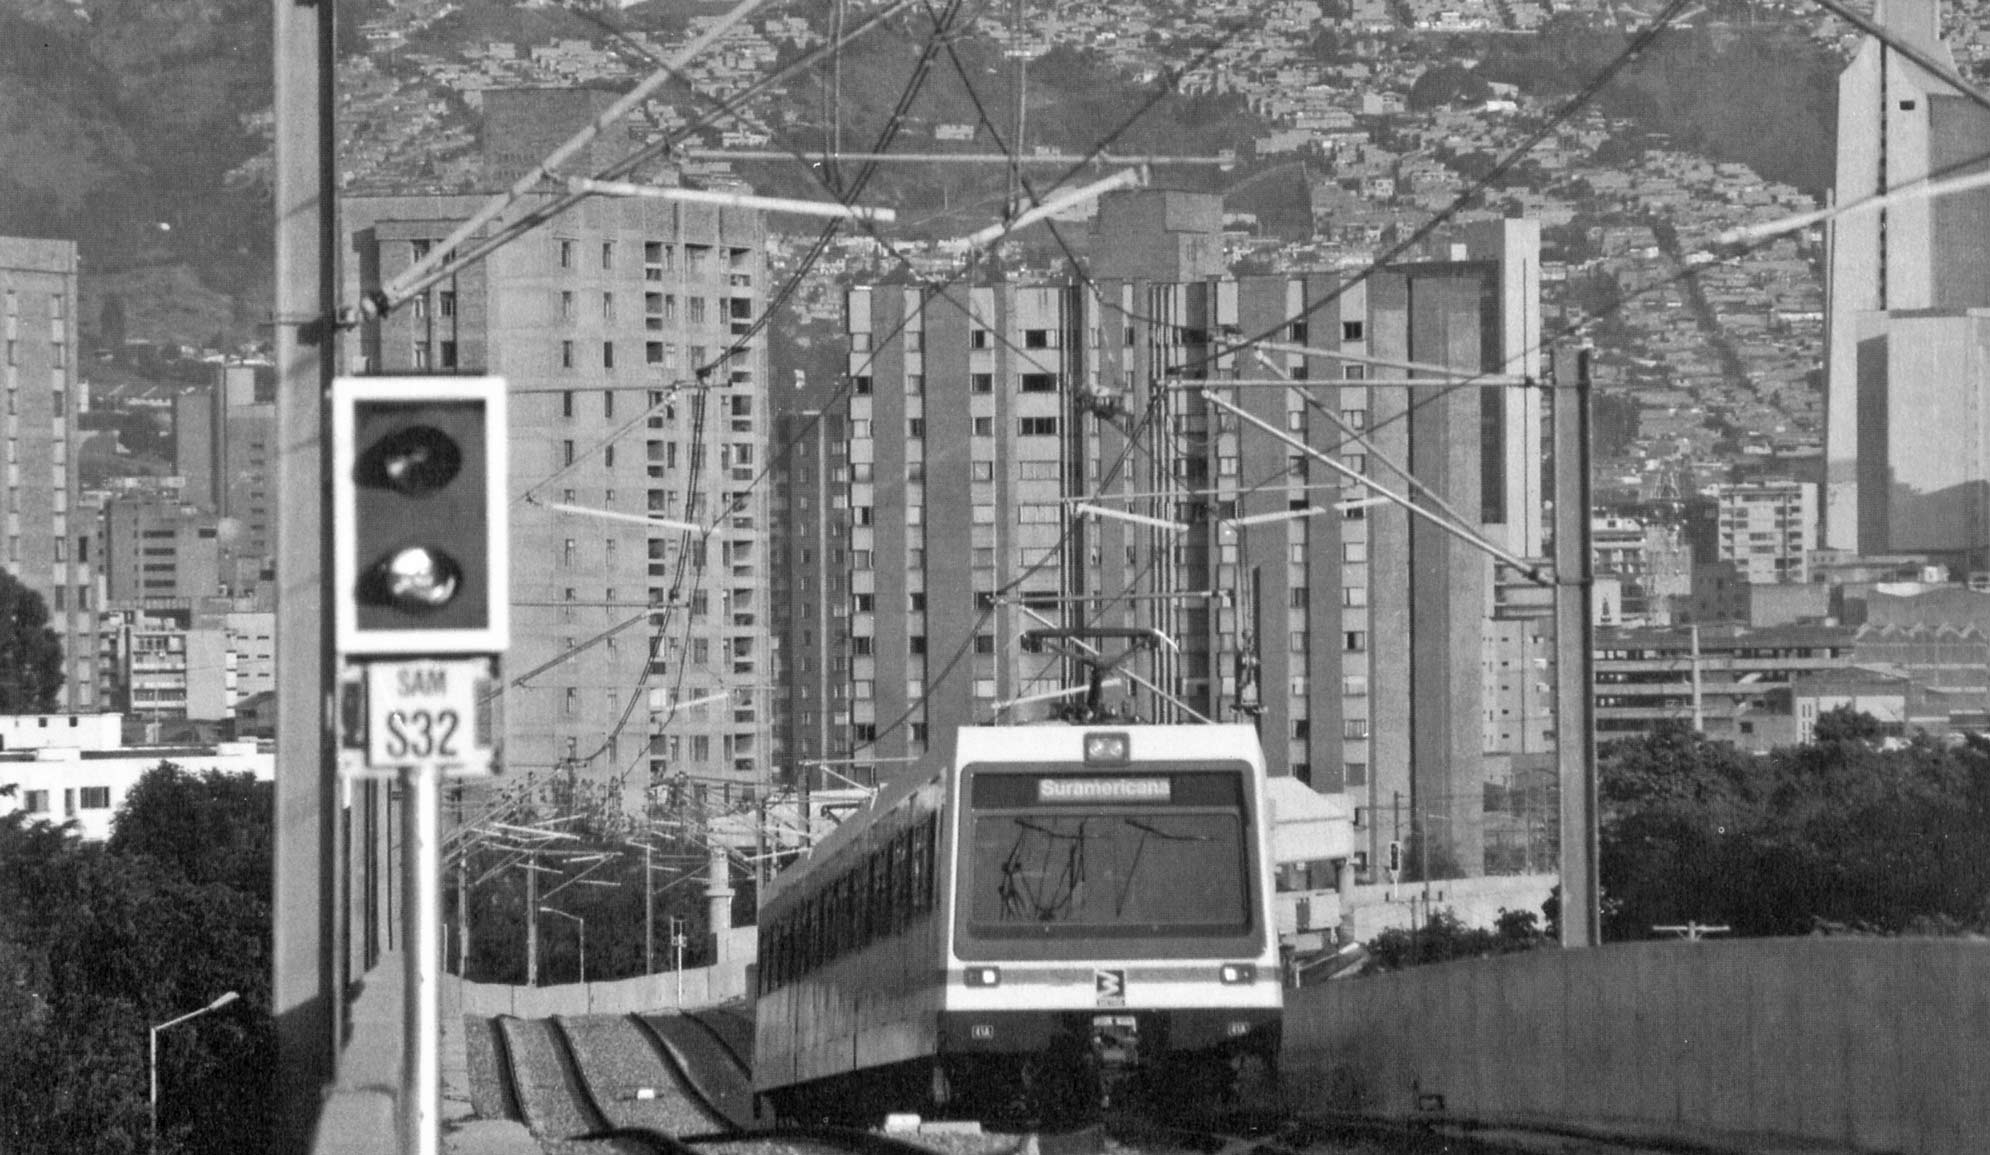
x,y
309,965
1575,739
532,921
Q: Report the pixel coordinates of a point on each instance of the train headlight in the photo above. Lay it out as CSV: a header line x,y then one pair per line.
x,y
1109,749
984,976
1239,974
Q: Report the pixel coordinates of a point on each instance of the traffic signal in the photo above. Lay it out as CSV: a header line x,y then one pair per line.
x,y
418,523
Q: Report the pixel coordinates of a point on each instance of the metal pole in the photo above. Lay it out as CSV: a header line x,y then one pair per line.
x,y
1575,744
152,1077
649,912
532,921
308,971
421,945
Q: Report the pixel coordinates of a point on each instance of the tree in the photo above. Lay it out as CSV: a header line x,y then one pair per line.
x,y
30,652
95,944
111,324
1837,834
212,827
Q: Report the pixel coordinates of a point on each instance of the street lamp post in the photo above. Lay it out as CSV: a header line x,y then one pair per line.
x,y
152,1058
583,935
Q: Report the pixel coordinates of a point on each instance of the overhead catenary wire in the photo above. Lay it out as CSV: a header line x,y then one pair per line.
x,y
1129,439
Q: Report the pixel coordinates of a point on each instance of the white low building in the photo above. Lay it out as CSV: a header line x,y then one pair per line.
x,y
74,767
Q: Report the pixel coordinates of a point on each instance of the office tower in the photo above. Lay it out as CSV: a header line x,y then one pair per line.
x,y
224,450
1030,456
637,386
155,547
1907,447
44,531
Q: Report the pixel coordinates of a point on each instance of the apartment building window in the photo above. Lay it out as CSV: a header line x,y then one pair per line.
x,y
915,384
1354,729
915,427
566,254
1354,595
984,643
566,305
1354,418
96,797
421,356
1354,552
697,310
977,339
1356,773
446,354
608,254
861,385
1039,338
1354,641
573,700
915,644
608,403
608,306
567,451
1039,382
35,801
446,302
1354,686
566,354
981,382
653,353
1033,426
567,403
860,342
608,354
1350,330
1297,643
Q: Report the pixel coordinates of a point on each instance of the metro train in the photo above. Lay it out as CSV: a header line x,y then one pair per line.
x,y
1062,915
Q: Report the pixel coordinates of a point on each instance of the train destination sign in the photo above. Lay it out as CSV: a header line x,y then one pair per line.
x,y
1103,790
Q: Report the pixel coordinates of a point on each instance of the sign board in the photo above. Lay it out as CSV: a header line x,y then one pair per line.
x,y
420,712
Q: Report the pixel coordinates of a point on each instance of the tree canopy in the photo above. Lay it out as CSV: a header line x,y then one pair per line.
x,y
1835,834
30,652
100,941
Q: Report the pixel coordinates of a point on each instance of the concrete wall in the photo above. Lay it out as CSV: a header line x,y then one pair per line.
x,y
702,987
1870,1044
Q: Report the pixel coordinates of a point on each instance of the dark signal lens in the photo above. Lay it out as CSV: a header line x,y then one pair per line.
x,y
414,461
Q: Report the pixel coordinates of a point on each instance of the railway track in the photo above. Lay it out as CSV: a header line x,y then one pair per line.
x,y
646,1083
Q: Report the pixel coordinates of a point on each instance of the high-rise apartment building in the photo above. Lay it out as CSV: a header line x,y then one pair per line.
x,y
1767,529
637,390
1026,456
44,531
1907,442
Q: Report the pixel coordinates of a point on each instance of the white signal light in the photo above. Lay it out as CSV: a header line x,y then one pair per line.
x,y
984,976
419,578
1109,749
1238,974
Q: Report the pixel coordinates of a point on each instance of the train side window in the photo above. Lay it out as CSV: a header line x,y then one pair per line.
x,y
929,843
877,926
921,867
811,936
901,880
844,906
853,907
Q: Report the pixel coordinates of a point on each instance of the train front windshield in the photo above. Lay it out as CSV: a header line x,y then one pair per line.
x,y
1067,857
